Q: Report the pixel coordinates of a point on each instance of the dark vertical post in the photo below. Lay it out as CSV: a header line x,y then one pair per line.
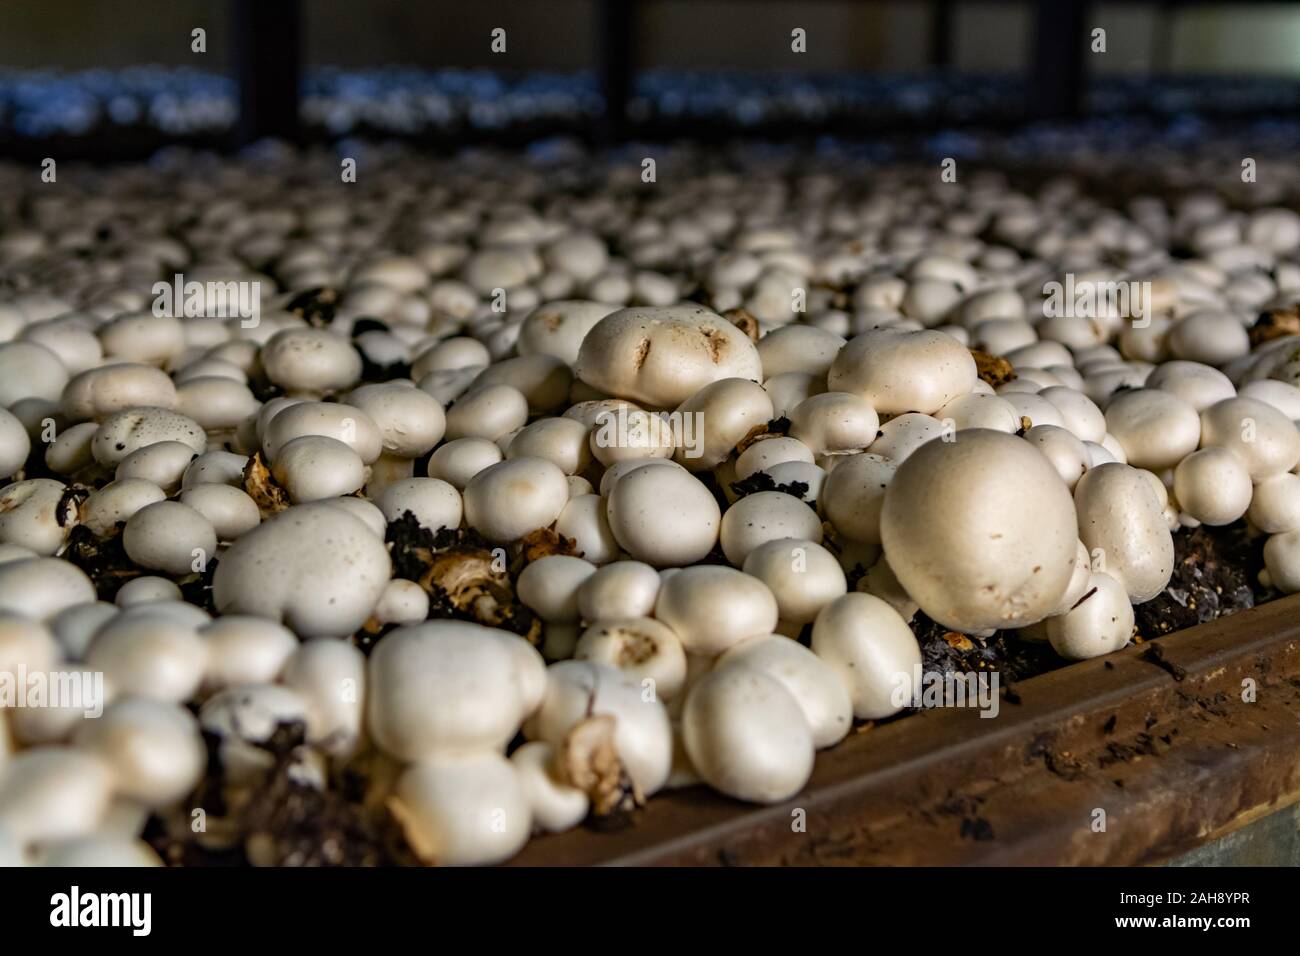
x,y
1163,43
1060,41
941,34
266,38
617,49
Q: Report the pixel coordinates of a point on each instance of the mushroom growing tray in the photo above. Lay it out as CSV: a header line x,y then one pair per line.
x,y
1132,758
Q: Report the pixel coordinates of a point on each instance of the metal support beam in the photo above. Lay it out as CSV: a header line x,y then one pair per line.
x,y
617,50
1059,73
266,40
941,34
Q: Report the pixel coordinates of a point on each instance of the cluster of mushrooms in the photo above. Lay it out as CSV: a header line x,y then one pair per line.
x,y
681,461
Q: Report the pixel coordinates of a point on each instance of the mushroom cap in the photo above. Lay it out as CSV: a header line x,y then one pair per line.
x,y
1156,429
712,607
854,495
345,423
313,467
815,685
981,532
40,588
1282,559
1101,621
150,651
663,516
410,422
556,805
243,649
463,809
15,444
1213,486
1120,514
641,647
765,516
123,432
1274,506
663,355
315,567
442,687
900,371
331,676
802,575
310,361
153,747
53,793
747,736
549,586
621,589
716,418
1263,437
873,650
558,328
506,501
171,537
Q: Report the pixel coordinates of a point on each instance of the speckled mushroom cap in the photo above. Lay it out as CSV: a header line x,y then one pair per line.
x,y
662,356
980,531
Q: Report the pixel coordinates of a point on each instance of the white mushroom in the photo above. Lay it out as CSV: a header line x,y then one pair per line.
x,y
307,361
747,736
1282,561
815,685
873,650
556,805
443,687
1275,504
903,371
711,608
1265,439
463,809
1100,621
330,676
507,500
1213,486
315,567
980,532
662,356
549,586
245,650
149,653
623,589
576,690
644,649
663,516
171,537
762,517
53,793
154,749
1157,429
1121,520
33,514
802,575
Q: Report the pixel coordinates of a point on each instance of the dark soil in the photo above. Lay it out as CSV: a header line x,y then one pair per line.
x,y
1215,574
285,822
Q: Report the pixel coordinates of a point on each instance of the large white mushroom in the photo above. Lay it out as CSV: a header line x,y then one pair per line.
x,y
981,531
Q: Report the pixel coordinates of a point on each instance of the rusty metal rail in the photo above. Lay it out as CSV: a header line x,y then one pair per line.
x,y
1134,758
